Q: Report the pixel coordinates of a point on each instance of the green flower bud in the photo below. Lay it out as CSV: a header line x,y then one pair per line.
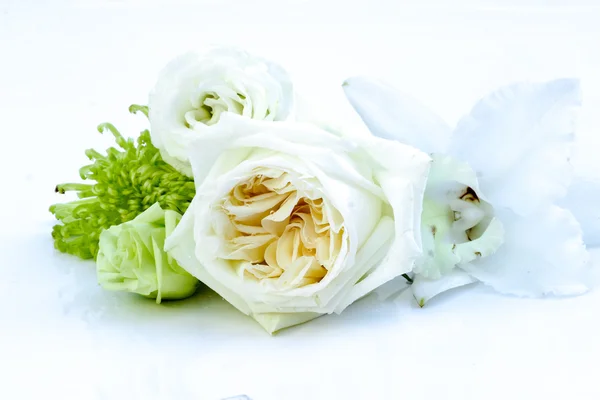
x,y
131,258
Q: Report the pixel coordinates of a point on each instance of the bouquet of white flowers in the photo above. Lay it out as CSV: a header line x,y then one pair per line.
x,y
290,210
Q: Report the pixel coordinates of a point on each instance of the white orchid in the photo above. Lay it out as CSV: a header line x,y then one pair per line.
x,y
496,208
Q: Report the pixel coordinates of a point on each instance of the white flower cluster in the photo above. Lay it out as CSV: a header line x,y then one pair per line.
x,y
296,217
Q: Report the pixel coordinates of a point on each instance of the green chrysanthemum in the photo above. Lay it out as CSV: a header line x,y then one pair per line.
x,y
127,182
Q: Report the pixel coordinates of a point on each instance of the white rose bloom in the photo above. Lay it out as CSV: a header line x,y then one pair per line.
x,y
291,221
194,90
493,208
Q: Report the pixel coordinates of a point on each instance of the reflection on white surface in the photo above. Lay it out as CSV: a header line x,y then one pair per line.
x,y
65,68
242,397
81,342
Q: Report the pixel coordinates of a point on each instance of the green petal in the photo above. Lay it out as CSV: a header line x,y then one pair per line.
x,y
158,263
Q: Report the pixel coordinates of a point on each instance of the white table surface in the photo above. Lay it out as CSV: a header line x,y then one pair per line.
x,y
68,66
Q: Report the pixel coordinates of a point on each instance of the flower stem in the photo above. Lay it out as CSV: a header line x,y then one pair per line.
x,y
134,108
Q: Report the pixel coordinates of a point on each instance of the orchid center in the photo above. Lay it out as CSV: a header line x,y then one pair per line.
x,y
457,228
471,214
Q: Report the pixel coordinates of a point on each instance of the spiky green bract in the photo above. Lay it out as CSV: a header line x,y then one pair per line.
x,y
126,181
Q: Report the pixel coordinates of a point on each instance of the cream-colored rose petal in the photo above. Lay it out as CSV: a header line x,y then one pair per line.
x,y
273,322
276,222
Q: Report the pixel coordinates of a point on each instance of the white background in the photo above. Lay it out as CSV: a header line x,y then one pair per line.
x,y
68,66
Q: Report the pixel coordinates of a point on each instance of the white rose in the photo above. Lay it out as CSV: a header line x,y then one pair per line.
x,y
291,221
195,89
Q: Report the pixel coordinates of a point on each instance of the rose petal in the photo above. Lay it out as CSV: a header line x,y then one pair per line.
x,y
240,137
273,322
367,273
402,190
329,110
181,246
391,289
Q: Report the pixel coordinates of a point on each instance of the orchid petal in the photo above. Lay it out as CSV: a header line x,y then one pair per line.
x,y
583,200
425,289
484,246
390,114
543,254
517,140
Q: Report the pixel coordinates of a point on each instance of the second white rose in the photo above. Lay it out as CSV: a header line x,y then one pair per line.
x,y
195,89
